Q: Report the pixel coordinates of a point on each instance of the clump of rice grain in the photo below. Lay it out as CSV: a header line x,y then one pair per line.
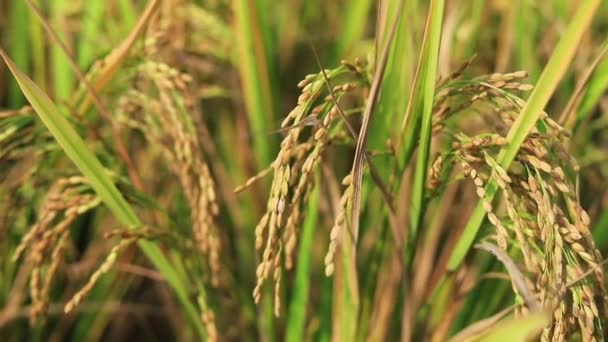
x,y
159,109
67,199
293,173
540,213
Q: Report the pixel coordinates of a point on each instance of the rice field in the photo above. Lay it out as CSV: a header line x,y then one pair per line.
x,y
346,170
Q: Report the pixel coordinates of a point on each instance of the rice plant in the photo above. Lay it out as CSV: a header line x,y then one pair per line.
x,y
346,170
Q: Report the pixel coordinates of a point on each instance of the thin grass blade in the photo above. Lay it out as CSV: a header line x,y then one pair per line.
x,y
353,26
429,58
299,302
255,72
517,329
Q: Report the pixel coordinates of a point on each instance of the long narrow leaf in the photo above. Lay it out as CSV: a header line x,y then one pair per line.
x,y
255,73
297,308
18,47
353,26
63,81
517,329
596,88
431,53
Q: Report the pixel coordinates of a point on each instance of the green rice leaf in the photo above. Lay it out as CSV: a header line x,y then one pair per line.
x,y
299,302
429,59
517,329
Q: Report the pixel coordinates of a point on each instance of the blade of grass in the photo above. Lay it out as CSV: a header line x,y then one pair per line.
x,y
596,89
90,33
347,297
526,37
256,69
297,308
422,107
549,79
354,21
255,74
77,150
478,328
397,82
600,232
566,118
476,11
506,36
265,25
73,145
62,78
428,57
517,329
324,311
381,254
411,118
127,11
18,49
370,110
38,50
